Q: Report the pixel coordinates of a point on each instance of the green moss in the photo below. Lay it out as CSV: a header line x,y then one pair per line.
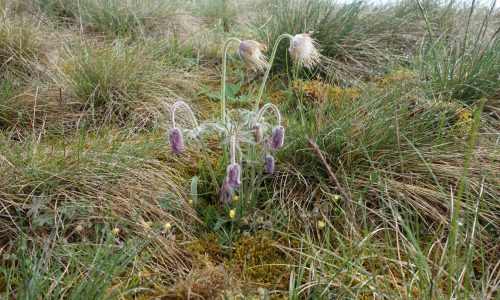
x,y
209,245
261,262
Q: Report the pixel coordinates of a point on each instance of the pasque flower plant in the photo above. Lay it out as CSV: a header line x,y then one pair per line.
x,y
242,126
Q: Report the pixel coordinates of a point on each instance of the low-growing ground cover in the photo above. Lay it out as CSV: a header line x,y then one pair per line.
x,y
386,185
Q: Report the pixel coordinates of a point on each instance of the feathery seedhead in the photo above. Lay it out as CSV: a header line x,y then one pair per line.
x,y
234,175
176,140
226,191
278,138
251,54
269,164
303,50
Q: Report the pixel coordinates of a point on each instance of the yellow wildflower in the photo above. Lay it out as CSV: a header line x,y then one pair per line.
x,y
232,213
167,225
321,224
236,198
335,198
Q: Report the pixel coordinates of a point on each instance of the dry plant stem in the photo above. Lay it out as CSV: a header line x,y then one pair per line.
x,y
223,79
330,171
271,60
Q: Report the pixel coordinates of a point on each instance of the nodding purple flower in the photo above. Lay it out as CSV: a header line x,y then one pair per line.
x,y
278,138
176,141
256,133
269,164
234,175
226,191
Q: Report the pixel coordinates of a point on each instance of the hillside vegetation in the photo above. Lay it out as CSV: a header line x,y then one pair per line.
x,y
386,187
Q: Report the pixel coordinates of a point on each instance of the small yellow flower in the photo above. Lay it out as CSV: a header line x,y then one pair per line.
x,y
167,225
236,198
321,224
190,201
115,231
232,213
335,198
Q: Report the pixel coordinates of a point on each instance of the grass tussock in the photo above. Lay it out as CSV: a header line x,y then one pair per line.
x,y
93,204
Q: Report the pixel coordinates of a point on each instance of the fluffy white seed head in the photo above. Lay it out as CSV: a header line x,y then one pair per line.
x,y
251,54
303,50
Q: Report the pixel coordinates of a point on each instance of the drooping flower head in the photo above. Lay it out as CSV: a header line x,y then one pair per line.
x,y
256,132
226,191
278,138
175,134
303,50
234,169
269,164
234,175
176,140
251,54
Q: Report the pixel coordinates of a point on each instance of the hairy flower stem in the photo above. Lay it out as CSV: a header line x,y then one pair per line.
x,y
223,79
178,104
272,107
271,60
233,149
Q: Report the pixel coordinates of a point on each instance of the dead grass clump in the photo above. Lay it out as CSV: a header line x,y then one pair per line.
x,y
92,181
209,282
21,48
108,85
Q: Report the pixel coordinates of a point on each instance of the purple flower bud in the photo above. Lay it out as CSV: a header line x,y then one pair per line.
x,y
226,191
269,163
256,133
176,140
234,175
278,138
